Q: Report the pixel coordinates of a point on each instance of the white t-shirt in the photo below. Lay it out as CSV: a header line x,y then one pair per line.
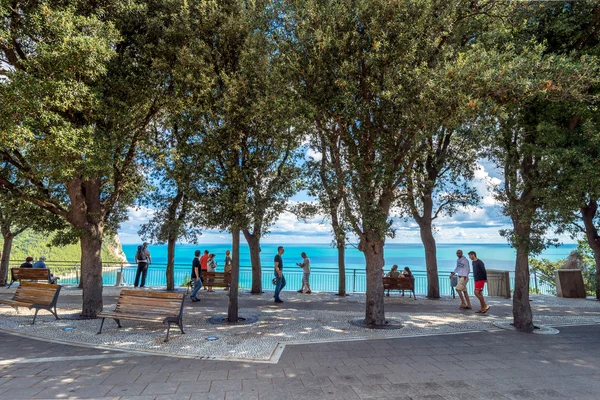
x,y
306,265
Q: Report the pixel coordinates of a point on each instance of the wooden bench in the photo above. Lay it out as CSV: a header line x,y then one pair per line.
x,y
213,279
35,295
31,274
216,279
400,283
140,305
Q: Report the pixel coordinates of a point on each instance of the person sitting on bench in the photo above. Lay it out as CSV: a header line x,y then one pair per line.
x,y
27,263
41,263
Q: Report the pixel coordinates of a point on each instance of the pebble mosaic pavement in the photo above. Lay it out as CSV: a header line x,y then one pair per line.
x,y
277,325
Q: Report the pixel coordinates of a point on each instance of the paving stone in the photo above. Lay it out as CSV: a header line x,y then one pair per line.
x,y
174,396
345,380
316,381
132,389
161,388
370,391
241,395
226,386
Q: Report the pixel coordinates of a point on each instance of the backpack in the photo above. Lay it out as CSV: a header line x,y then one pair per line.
x,y
139,255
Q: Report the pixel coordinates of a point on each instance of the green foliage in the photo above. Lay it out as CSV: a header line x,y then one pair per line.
x,y
247,132
35,245
544,269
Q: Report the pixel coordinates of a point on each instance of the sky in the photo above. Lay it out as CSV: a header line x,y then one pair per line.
x,y
475,225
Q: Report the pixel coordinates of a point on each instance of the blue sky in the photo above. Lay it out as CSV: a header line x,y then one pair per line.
x,y
475,225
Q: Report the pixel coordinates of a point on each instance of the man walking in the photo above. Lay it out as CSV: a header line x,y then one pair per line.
x,y
204,262
196,275
462,270
305,265
480,276
279,278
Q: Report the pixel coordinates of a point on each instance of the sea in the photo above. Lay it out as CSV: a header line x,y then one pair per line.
x,y
324,266
497,256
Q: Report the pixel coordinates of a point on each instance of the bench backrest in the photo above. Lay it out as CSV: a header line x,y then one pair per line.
x,y
143,302
399,283
29,273
37,293
216,278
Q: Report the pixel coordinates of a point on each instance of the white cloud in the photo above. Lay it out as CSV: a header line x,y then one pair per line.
x,y
316,155
474,225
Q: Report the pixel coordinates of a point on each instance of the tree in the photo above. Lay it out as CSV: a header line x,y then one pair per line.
x,y
437,183
371,68
244,135
273,178
519,86
173,195
574,30
16,217
81,87
325,185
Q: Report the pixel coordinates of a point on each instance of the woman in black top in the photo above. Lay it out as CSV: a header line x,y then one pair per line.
x,y
27,263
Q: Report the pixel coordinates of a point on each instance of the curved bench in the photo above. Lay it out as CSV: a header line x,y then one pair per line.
x,y
141,305
35,295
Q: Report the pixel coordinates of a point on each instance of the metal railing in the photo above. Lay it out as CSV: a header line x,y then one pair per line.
x,y
321,280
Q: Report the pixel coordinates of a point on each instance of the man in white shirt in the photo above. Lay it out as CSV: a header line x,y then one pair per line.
x,y
462,270
305,265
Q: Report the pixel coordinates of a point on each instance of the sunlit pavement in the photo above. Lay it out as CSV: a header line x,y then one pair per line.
x,y
487,364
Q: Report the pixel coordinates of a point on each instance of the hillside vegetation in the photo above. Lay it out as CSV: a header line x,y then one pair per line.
x,y
35,245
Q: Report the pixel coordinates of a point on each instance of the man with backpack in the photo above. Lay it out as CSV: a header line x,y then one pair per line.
x,y
142,258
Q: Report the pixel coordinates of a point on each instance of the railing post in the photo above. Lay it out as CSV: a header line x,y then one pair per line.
x,y
354,281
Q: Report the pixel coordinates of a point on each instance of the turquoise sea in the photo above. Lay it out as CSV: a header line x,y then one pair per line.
x,y
324,275
324,257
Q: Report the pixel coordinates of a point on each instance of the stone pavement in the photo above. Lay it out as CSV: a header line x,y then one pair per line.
x,y
486,365
316,318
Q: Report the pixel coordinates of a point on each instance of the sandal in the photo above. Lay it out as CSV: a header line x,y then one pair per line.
x,y
486,310
467,307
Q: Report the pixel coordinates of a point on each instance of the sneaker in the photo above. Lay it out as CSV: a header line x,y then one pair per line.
x,y
309,292
194,299
278,301
300,291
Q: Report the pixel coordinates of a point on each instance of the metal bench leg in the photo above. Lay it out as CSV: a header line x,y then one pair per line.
x,y
10,284
54,312
181,327
35,316
414,295
101,325
168,329
118,322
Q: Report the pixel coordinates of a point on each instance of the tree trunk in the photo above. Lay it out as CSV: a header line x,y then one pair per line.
x,y
433,282
253,241
374,311
91,273
171,263
232,311
588,213
4,262
522,315
341,248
